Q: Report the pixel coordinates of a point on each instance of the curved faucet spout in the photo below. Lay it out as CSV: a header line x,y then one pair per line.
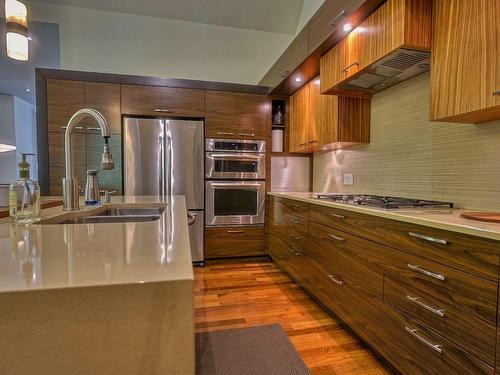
x,y
72,123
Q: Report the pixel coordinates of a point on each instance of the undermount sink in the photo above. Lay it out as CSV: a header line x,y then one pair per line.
x,y
111,215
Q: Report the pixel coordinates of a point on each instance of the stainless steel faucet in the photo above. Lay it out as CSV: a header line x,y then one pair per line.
x,y
70,184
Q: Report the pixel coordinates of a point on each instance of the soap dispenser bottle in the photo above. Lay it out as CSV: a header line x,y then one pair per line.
x,y
24,196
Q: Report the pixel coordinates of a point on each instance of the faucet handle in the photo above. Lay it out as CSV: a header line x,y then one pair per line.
x,y
107,195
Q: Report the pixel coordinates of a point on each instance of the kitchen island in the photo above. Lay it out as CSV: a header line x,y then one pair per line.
x,y
100,298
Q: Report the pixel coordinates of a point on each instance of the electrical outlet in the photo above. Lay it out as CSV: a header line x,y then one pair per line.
x,y
348,179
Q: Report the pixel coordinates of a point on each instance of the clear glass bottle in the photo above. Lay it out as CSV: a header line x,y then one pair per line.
x,y
24,196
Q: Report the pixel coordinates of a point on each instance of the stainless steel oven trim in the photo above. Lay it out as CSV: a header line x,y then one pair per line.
x,y
212,220
210,172
210,144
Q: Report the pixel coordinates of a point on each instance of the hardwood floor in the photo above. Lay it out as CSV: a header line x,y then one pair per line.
x,y
235,294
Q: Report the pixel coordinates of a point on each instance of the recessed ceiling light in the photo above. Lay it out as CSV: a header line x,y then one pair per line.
x,y
27,89
347,27
298,79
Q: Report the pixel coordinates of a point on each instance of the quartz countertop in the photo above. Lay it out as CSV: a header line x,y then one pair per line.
x,y
441,218
83,255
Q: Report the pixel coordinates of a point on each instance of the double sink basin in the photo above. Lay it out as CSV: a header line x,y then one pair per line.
x,y
108,215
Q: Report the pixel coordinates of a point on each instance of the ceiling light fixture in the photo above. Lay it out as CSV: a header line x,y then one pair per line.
x,y
347,27
6,148
16,15
298,79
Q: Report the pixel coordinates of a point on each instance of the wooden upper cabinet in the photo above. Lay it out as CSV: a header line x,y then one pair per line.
x,y
396,25
465,74
328,19
321,122
64,98
293,56
105,98
162,101
236,115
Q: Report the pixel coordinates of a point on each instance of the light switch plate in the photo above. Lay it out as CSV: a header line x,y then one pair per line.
x,y
348,179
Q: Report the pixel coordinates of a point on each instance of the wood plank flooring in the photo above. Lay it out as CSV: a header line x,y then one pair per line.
x,y
235,294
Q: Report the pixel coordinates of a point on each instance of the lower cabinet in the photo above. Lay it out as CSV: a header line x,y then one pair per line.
x,y
424,317
228,242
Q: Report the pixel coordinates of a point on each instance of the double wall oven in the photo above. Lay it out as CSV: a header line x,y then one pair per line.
x,y
235,186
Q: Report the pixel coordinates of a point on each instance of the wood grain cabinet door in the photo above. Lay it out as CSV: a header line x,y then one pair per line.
x,y
299,119
465,74
252,115
105,98
64,98
162,101
220,114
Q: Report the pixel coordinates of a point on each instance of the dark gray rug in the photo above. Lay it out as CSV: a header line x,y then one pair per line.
x,y
264,350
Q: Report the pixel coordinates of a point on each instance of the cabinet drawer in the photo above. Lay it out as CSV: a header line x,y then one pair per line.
x,y
353,259
292,207
467,253
415,349
162,101
463,324
226,242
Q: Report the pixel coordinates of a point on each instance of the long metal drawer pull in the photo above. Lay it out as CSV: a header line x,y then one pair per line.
x,y
235,231
302,144
294,237
425,272
76,127
338,216
226,133
293,221
346,69
427,238
413,332
337,238
417,301
313,141
336,281
164,110
247,134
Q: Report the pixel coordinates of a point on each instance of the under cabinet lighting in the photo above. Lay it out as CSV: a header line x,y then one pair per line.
x,y
6,148
16,15
347,27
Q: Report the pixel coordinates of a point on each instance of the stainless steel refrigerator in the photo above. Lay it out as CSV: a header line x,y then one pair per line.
x,y
166,157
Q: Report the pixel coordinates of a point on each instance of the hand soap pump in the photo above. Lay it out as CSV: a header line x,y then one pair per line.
x,y
24,196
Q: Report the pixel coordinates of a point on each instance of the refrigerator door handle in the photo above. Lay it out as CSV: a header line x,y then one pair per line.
x,y
169,170
162,165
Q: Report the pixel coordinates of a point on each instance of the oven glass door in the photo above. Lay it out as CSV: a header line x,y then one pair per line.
x,y
236,165
235,202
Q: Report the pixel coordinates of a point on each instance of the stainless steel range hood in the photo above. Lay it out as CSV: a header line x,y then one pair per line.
x,y
396,67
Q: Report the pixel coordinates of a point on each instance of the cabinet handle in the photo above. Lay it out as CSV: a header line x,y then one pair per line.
x,y
496,92
336,238
337,216
235,231
335,280
346,69
294,237
247,134
417,301
435,347
76,127
427,238
226,133
425,272
334,20
164,110
302,144
313,141
293,221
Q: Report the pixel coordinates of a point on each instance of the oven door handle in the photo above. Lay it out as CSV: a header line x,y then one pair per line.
x,y
219,184
235,156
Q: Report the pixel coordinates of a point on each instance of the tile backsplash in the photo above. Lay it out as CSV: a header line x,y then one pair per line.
x,y
410,156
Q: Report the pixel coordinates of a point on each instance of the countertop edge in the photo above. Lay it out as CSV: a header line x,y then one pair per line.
x,y
463,229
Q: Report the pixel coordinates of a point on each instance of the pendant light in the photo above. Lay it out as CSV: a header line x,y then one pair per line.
x,y
16,15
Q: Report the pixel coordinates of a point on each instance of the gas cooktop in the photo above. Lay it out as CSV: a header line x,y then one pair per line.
x,y
380,201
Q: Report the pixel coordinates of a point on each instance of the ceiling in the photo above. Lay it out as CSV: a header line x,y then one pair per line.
x,y
281,16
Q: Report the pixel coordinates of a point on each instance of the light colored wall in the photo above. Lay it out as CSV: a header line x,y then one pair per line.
x,y
25,127
8,136
308,9
411,156
93,40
